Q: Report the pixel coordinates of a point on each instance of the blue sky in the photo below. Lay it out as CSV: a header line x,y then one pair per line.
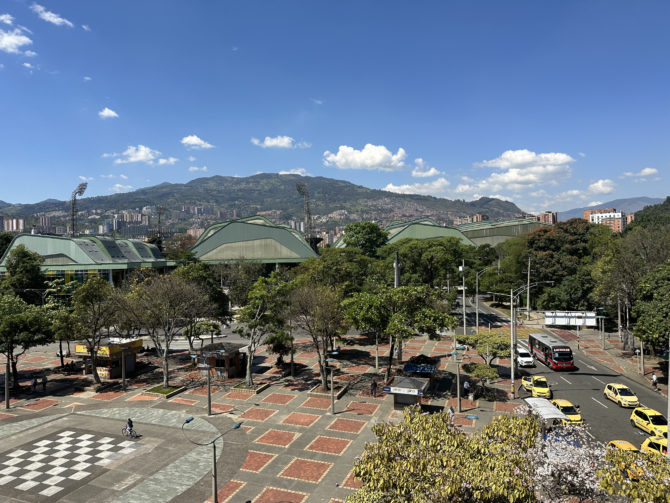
x,y
550,104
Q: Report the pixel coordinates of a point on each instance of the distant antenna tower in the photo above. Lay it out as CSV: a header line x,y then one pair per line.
x,y
312,240
79,191
160,210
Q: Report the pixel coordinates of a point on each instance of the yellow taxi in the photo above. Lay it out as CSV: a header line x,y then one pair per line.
x,y
574,416
633,471
649,420
621,394
537,385
655,445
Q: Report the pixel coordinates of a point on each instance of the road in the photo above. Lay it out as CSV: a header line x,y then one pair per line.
x,y
584,387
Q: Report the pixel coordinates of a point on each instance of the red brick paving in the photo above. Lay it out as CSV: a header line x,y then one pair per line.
x,y
330,445
465,403
278,398
277,437
229,490
300,419
316,403
364,408
40,404
239,395
274,495
505,406
306,469
461,420
201,391
348,425
358,368
183,401
258,414
108,395
35,359
256,461
142,397
306,355
221,407
351,482
6,416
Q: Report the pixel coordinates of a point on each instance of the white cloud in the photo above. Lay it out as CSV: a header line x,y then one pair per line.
x,y
279,142
117,187
168,160
195,168
642,173
123,177
371,157
110,154
107,113
30,54
191,158
195,143
87,79
85,178
85,27
12,41
434,188
594,203
28,65
604,186
6,19
294,171
235,48
50,17
138,154
516,159
316,101
422,170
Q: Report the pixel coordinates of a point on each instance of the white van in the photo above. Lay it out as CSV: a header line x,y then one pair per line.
x,y
524,358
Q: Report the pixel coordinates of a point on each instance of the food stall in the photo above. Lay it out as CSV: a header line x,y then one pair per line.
x,y
407,390
109,355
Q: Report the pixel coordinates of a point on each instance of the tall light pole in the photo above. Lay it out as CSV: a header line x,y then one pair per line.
x,y
477,296
332,388
79,191
465,320
215,496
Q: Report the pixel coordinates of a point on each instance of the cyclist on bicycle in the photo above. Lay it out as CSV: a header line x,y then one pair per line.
x,y
129,426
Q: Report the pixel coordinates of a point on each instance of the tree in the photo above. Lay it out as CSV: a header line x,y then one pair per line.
x,y
25,275
318,310
239,277
398,313
94,312
652,476
488,345
5,241
425,458
652,308
367,236
280,344
262,315
178,247
164,306
21,326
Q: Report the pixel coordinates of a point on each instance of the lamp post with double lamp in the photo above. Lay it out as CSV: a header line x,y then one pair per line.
x,y
461,268
477,296
458,358
512,336
236,426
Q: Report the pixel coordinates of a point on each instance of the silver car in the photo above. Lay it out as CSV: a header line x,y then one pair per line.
x,y
524,358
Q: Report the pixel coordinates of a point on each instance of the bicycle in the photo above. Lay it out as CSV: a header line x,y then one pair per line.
x,y
129,432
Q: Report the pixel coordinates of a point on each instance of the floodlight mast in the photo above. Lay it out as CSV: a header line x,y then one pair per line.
x,y
79,191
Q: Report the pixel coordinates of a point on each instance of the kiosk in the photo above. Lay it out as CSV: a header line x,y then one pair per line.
x,y
108,357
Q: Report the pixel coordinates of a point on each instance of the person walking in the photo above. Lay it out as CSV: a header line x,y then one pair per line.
x,y
34,384
373,388
466,388
44,382
654,381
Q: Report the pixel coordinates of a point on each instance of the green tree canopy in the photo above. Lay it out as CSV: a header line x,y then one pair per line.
x,y
367,236
652,308
25,275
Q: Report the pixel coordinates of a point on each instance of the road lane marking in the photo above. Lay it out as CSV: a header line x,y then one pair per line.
x,y
587,365
603,382
599,402
565,379
589,434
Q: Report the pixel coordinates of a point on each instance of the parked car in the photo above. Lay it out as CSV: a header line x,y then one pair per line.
x,y
574,416
537,385
655,445
633,471
650,420
621,394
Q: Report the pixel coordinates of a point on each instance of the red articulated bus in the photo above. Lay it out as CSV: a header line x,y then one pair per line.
x,y
549,350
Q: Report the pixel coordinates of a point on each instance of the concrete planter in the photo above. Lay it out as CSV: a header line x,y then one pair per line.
x,y
256,390
167,395
339,391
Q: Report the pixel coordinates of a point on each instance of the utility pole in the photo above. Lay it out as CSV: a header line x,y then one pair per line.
x,y
511,341
465,320
528,292
396,284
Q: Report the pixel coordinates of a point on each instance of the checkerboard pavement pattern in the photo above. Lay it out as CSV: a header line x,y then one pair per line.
x,y
50,466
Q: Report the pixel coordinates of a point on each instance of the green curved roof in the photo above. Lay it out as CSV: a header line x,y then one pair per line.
x,y
253,238
424,229
88,252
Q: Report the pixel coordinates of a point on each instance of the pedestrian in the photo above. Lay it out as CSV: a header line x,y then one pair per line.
x,y
34,384
654,381
373,388
44,382
466,387
450,413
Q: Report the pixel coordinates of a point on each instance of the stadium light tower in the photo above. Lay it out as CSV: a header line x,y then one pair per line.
x,y
79,191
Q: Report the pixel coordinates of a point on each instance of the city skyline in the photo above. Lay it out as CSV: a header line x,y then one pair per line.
x,y
551,106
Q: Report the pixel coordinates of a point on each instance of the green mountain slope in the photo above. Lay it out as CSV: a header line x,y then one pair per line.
x,y
267,191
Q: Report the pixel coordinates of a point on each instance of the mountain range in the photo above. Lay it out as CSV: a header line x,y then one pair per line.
x,y
630,205
269,191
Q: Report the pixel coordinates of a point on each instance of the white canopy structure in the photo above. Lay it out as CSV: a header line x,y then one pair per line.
x,y
545,409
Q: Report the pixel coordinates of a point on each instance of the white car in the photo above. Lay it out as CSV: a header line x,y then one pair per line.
x,y
524,358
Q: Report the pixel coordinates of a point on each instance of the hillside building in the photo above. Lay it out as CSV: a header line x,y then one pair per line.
x,y
615,220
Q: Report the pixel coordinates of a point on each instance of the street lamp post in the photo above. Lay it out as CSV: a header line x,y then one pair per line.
x,y
458,357
215,496
465,319
477,296
332,388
